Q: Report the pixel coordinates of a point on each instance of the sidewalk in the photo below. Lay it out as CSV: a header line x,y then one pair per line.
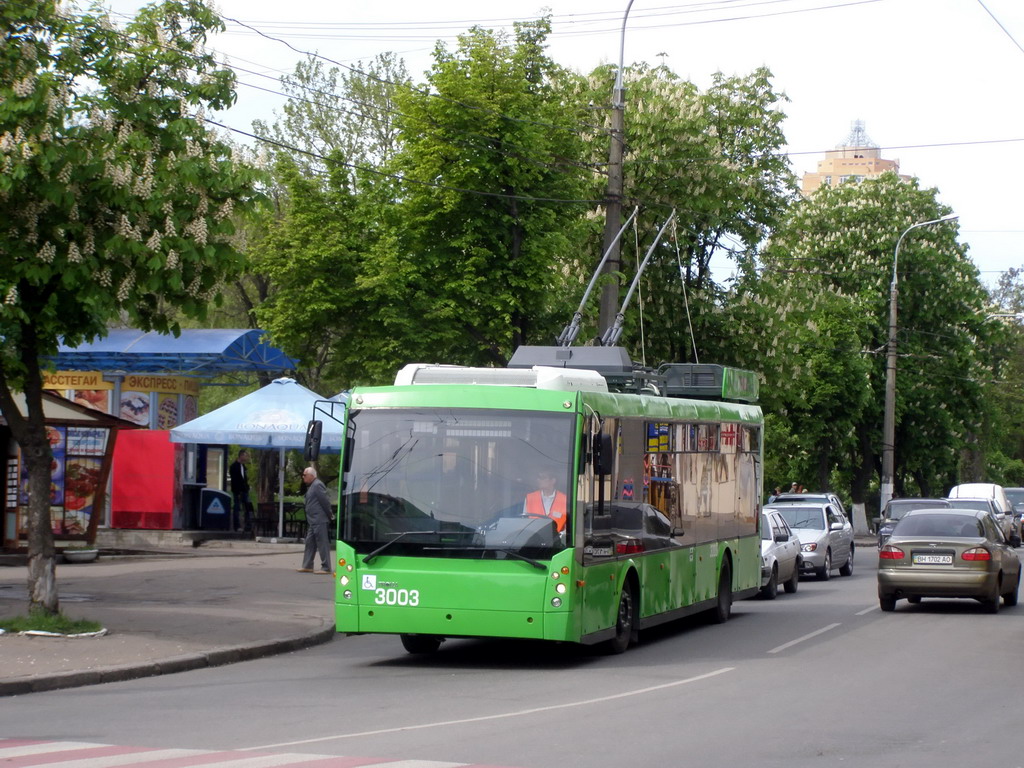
x,y
169,611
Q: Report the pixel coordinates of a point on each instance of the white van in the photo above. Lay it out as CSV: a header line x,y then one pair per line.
x,y
1004,508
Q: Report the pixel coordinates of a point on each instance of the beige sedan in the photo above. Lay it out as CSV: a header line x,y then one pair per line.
x,y
947,553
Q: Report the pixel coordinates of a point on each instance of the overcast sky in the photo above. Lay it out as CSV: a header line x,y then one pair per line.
x,y
938,83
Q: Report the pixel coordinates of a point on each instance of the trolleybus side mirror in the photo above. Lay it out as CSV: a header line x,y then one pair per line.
x,y
311,449
604,454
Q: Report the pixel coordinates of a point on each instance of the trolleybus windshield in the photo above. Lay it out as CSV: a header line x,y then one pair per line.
x,y
455,482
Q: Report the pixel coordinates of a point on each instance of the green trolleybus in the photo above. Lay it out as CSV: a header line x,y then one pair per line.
x,y
535,502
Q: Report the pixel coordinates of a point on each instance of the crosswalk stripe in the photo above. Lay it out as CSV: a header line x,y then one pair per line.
x,y
22,753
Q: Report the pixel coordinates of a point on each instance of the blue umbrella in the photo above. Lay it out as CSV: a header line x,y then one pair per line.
x,y
275,416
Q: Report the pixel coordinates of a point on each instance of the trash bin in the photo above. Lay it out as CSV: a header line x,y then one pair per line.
x,y
214,510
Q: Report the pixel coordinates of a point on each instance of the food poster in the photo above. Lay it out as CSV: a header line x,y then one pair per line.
x,y
97,399
82,478
191,410
134,407
56,436
166,411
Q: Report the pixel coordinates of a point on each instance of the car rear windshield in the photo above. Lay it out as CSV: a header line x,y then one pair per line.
x,y
944,526
803,517
897,509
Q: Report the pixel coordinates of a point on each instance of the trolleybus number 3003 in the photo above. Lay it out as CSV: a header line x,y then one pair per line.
x,y
397,597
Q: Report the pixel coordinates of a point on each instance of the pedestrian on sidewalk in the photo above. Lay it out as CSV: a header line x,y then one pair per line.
x,y
241,507
318,515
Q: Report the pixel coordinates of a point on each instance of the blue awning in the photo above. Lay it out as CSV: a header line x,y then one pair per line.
x,y
196,352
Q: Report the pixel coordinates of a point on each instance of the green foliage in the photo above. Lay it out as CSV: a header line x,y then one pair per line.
x,y
312,256
715,156
490,159
45,622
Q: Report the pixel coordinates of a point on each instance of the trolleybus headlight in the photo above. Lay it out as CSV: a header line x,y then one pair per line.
x,y
343,580
554,575
347,594
560,588
556,601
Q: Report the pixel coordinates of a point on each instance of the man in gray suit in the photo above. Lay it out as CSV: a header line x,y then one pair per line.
x,y
318,515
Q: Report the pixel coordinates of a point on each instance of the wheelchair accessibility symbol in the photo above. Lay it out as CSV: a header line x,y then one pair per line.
x,y
369,581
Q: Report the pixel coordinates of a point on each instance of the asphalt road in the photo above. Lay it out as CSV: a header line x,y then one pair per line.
x,y
816,678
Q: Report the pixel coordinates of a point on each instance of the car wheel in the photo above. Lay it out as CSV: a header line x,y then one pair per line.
x,y
793,581
847,567
887,603
914,599
825,572
1010,598
625,620
723,609
771,590
421,644
993,601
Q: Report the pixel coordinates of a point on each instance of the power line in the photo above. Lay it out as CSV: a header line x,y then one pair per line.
x,y
997,21
396,177
580,131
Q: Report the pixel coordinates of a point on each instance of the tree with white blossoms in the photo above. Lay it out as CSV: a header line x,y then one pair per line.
x,y
115,200
839,244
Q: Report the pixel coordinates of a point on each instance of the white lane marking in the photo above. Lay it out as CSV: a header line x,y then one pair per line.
x,y
867,610
503,715
791,643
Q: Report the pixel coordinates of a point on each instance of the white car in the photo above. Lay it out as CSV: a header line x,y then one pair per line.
x,y
780,555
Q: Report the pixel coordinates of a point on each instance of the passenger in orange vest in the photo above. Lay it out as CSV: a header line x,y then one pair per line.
x,y
546,501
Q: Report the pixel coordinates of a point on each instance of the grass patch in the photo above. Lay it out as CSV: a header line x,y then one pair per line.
x,y
41,622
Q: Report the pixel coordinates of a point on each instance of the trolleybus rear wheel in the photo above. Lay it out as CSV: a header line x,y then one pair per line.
x,y
420,644
723,610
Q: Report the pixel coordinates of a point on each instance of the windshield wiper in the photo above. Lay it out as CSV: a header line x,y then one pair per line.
x,y
524,558
387,544
511,552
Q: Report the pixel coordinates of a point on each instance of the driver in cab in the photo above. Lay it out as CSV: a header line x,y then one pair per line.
x,y
546,501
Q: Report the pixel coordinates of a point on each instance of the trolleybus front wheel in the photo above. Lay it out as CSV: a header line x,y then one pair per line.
x,y
421,644
625,620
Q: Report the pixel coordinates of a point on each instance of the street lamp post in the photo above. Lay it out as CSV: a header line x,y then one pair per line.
x,y
613,194
889,423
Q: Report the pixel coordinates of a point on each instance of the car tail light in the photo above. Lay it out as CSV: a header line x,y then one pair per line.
x,y
889,552
631,547
978,553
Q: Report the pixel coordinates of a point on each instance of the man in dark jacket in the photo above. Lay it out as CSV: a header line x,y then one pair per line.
x,y
241,509
318,516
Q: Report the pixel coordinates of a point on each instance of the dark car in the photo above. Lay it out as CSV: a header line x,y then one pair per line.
x,y
895,509
948,553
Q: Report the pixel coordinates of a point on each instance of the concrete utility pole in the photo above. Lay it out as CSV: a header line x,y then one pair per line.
x,y
889,421
613,195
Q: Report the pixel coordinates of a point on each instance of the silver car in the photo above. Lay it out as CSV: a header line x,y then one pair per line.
x,y
780,555
826,537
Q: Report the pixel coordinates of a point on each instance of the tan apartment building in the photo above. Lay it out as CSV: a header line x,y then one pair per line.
x,y
857,159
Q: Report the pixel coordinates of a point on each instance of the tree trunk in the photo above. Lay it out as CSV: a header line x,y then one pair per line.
x,y
30,433
863,469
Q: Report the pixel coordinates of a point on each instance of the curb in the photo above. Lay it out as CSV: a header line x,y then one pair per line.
x,y
215,658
